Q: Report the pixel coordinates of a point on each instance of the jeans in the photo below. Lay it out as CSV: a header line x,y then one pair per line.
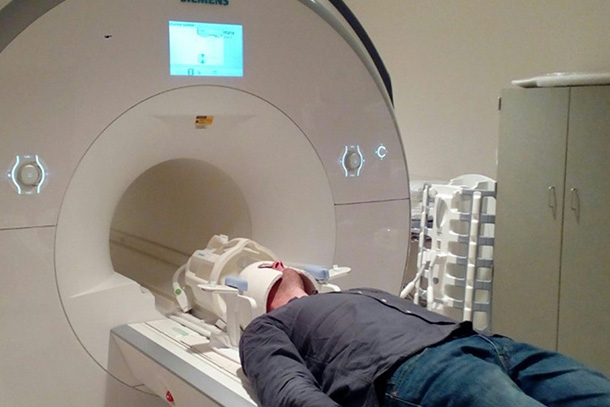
x,y
484,371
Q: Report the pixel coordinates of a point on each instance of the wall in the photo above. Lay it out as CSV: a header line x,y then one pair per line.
x,y
449,61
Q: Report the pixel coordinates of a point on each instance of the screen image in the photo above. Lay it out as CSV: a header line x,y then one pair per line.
x,y
205,49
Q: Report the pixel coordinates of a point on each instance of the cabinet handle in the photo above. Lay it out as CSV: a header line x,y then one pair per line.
x,y
574,198
553,200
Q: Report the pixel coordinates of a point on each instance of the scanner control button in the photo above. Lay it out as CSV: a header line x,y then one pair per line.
x,y
30,175
27,174
353,161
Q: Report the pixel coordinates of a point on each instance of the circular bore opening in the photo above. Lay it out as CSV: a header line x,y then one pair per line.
x,y
167,213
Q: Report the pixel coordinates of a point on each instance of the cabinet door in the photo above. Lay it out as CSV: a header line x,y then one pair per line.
x,y
527,252
584,323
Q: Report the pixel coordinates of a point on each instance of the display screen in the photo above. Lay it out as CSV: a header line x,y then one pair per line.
x,y
205,49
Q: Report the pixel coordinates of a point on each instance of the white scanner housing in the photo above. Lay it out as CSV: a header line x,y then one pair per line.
x,y
118,161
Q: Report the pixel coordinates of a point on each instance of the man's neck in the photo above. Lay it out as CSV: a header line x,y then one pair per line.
x,y
286,295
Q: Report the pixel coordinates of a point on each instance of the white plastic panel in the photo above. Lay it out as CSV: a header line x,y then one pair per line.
x,y
190,378
373,239
34,330
56,99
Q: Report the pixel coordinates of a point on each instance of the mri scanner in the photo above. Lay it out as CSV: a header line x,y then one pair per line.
x,y
132,133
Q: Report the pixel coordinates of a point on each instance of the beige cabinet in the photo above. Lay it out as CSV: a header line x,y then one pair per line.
x,y
552,251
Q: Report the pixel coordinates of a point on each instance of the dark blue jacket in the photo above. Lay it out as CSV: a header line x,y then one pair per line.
x,y
329,349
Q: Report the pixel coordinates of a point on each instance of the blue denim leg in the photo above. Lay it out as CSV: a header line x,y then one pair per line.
x,y
551,378
480,371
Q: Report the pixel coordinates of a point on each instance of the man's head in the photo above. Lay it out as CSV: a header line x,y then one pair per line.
x,y
272,284
290,286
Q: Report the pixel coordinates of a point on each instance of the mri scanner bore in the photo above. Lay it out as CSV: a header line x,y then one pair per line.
x,y
137,134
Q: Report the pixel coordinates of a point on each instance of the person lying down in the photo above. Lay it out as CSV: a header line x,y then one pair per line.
x,y
366,347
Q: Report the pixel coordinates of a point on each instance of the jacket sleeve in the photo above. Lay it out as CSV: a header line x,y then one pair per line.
x,y
276,370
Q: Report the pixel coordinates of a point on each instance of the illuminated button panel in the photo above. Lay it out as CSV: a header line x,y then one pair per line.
x,y
27,174
352,161
381,151
353,158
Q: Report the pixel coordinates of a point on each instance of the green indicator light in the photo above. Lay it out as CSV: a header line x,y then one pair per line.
x,y
180,331
178,291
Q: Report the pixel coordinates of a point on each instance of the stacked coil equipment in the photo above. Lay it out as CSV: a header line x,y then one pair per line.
x,y
455,249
